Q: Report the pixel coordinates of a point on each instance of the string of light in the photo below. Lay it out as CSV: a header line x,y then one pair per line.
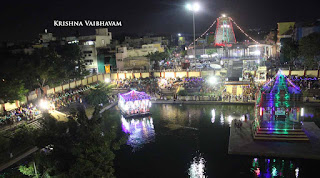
x,y
243,31
204,32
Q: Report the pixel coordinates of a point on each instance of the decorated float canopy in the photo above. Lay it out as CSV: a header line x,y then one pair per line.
x,y
134,103
133,96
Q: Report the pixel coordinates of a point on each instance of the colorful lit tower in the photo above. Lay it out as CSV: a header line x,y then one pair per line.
x,y
278,114
224,35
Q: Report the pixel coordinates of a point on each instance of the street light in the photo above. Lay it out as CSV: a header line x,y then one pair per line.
x,y
194,7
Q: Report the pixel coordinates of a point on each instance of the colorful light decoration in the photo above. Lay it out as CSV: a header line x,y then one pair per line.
x,y
243,31
204,32
134,103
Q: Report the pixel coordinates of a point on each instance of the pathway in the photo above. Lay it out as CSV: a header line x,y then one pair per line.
x,y
13,161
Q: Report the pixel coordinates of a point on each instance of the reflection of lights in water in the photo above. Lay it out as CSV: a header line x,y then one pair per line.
x,y
297,172
221,119
213,112
141,131
230,118
273,168
197,168
274,171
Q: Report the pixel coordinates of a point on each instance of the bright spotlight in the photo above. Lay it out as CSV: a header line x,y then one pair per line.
x,y
179,34
193,7
107,80
223,15
213,80
196,7
189,7
257,53
44,104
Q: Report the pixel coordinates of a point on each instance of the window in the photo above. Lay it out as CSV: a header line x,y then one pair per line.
x,y
88,62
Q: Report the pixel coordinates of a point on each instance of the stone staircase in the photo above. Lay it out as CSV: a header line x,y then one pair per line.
x,y
280,133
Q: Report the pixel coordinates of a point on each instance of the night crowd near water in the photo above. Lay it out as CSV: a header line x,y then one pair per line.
x,y
182,140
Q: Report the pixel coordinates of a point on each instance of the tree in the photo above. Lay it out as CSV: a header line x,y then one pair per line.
x,y
99,95
28,170
12,90
82,147
309,49
289,51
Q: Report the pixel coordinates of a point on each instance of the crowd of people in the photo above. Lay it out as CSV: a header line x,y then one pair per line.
x,y
22,113
306,82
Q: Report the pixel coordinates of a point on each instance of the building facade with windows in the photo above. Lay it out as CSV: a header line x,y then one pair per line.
x,y
90,46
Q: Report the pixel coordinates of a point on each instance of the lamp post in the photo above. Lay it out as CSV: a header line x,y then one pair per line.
x,y
194,7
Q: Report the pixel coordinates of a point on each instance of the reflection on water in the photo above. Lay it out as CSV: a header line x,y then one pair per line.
x,y
182,129
269,168
197,167
141,131
213,113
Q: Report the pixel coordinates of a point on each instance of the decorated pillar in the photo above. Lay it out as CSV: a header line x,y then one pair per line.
x,y
117,75
125,75
175,74
304,72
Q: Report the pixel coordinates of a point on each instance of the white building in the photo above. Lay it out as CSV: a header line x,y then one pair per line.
x,y
46,37
123,53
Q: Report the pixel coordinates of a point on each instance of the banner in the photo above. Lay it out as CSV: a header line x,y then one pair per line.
x,y
107,68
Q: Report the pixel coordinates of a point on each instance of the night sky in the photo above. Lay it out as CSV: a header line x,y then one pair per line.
x,y
24,20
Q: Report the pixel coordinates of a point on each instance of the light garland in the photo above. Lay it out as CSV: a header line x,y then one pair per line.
x,y
204,32
243,31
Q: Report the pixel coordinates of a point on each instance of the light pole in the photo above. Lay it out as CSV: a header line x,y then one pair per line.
x,y
194,7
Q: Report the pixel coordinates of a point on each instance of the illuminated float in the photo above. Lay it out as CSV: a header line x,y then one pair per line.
x,y
277,113
134,103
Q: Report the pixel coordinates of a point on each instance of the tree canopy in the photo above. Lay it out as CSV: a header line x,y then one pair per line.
x,y
81,147
46,66
309,49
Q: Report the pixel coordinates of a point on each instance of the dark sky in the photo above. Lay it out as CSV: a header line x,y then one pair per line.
x,y
23,20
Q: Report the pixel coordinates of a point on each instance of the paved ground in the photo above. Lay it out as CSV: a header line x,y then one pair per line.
x,y
241,143
59,116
